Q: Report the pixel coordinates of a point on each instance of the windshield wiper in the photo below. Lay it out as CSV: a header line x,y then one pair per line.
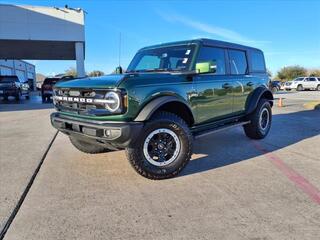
x,y
155,70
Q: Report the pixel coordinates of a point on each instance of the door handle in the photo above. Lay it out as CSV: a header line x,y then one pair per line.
x,y
250,84
226,86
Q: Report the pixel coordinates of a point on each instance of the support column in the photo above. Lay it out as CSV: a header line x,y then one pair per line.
x,y
79,48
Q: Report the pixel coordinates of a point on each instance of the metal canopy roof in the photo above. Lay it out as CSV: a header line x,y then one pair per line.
x,y
30,32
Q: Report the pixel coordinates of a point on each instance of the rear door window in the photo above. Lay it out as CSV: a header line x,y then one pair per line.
x,y
238,62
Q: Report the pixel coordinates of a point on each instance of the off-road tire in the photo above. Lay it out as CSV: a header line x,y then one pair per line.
x,y
254,130
318,88
299,88
162,120
87,146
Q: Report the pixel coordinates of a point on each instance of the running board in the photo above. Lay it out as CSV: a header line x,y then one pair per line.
x,y
218,129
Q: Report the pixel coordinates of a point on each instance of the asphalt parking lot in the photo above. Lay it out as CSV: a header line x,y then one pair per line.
x,y
233,188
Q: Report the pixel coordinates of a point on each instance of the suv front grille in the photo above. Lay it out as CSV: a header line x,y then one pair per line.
x,y
80,101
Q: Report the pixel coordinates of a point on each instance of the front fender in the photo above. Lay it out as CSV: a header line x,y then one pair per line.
x,y
155,104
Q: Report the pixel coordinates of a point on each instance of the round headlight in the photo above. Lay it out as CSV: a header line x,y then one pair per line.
x,y
113,101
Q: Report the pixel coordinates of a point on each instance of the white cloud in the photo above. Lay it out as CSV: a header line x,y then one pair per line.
x,y
223,33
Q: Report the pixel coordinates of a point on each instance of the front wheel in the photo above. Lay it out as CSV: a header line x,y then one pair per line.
x,y
18,96
274,89
300,88
87,146
163,149
260,121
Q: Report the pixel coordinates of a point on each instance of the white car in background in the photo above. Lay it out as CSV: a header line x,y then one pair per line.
x,y
303,83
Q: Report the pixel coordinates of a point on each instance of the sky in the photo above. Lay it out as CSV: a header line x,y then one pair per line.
x,y
288,32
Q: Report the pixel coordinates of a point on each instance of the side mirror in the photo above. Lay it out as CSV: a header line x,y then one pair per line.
x,y
119,70
206,67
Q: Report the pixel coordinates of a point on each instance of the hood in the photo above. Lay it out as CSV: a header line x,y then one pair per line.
x,y
108,81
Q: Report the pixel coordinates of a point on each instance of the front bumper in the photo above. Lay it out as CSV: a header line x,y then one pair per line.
x,y
117,134
8,92
289,87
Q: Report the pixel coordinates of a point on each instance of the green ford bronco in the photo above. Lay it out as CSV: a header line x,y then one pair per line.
x,y
170,95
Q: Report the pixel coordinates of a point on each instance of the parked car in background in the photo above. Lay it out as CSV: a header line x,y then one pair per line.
x,y
11,86
46,88
303,83
275,86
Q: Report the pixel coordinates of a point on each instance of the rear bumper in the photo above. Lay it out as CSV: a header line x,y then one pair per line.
x,y
117,134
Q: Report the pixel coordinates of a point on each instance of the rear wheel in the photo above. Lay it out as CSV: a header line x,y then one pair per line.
x,y
260,121
88,146
163,149
318,87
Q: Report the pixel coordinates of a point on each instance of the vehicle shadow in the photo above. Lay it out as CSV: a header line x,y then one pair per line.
x,y
34,103
232,146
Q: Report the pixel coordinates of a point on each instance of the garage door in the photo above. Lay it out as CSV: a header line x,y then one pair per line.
x,y
20,75
5,70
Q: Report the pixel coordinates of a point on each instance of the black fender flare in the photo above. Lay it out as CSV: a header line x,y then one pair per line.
x,y
255,96
154,105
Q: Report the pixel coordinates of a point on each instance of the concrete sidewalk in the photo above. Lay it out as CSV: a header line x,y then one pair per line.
x,y
232,189
24,137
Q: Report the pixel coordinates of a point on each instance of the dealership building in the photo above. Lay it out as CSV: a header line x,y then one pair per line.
x,y
40,33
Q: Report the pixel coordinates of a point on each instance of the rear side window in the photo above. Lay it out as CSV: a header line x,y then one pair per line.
x,y
238,62
257,61
312,79
215,56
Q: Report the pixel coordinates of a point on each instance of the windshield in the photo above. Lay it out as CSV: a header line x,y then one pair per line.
x,y
175,58
298,79
8,79
51,81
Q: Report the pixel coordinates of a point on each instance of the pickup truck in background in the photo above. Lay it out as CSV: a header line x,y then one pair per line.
x,y
11,86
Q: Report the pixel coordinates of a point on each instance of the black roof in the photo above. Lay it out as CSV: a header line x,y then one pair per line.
x,y
204,41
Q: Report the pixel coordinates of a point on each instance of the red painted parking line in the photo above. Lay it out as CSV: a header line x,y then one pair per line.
x,y
296,178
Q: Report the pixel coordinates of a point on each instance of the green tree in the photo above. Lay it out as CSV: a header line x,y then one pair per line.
x,y
314,73
71,71
291,72
96,73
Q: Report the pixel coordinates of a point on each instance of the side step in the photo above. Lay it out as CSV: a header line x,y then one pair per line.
x,y
218,129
